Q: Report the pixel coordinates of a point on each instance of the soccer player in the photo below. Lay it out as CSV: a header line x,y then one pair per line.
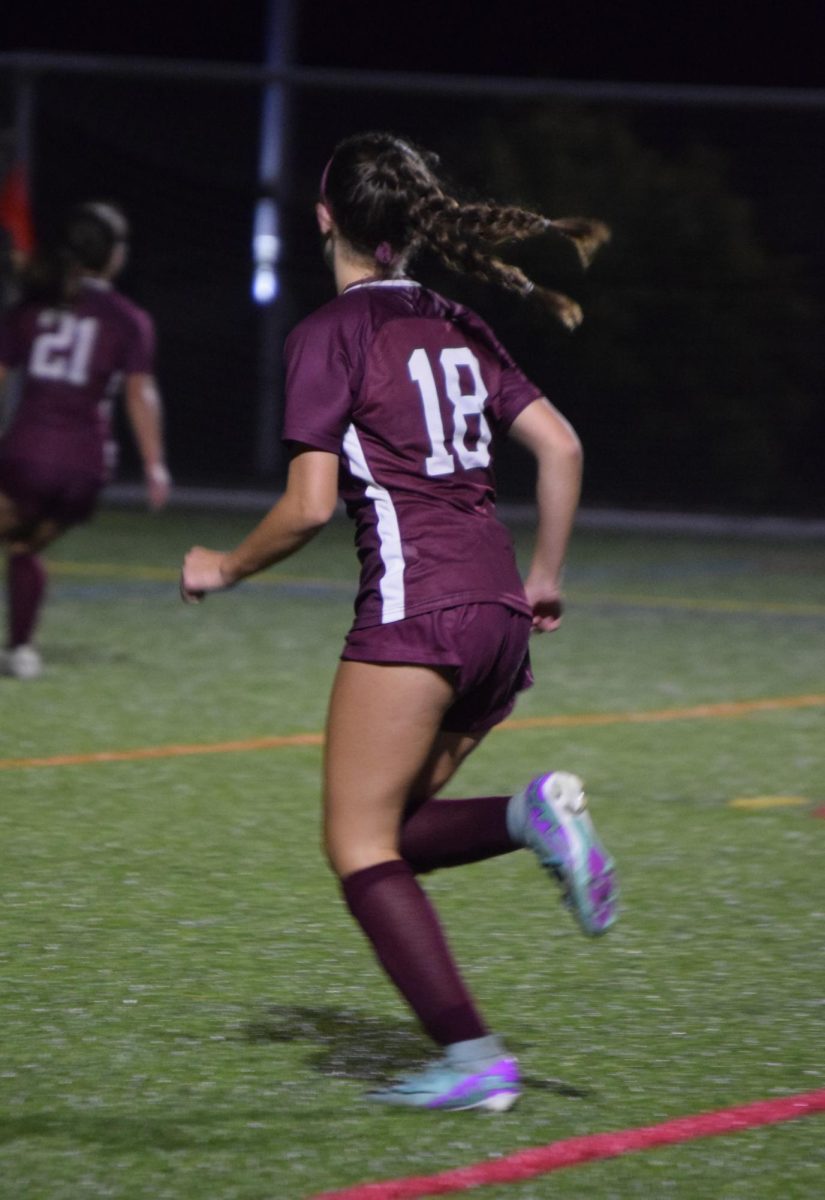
x,y
76,342
404,393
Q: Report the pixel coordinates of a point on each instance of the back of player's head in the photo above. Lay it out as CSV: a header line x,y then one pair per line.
x,y
88,238
372,185
92,231
387,201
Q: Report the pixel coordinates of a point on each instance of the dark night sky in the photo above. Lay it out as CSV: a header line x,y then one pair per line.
x,y
729,42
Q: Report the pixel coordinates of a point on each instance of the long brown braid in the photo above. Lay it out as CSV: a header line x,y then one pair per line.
x,y
388,202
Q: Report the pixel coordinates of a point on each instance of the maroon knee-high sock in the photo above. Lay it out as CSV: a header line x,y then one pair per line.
x,y
26,586
449,833
392,909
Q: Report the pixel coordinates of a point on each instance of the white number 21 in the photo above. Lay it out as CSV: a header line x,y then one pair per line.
x,y
440,461
63,350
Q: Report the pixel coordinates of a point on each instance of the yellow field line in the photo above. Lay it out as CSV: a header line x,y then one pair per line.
x,y
634,600
724,710
695,712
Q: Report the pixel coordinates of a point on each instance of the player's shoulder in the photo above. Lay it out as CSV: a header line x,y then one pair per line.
x,y
478,331
344,319
358,313
108,301
425,303
459,319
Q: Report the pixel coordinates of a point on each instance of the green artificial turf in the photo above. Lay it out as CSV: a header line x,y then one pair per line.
x,y
188,1011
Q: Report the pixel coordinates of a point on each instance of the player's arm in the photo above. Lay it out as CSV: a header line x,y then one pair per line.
x,y
306,506
558,453
145,413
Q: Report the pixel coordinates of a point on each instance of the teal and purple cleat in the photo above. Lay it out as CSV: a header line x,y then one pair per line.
x,y
558,828
455,1083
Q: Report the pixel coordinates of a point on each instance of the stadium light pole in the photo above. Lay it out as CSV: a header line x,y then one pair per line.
x,y
267,243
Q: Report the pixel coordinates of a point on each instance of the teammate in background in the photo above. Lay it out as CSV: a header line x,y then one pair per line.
x,y
76,341
404,392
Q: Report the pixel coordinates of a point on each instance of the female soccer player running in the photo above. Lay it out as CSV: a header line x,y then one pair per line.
x,y
403,393
75,340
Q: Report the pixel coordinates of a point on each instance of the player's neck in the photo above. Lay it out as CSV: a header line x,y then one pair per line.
x,y
346,274
350,269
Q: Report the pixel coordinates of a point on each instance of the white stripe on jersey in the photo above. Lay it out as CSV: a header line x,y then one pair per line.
x,y
389,534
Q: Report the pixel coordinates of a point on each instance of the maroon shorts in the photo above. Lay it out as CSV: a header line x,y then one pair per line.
x,y
484,647
44,491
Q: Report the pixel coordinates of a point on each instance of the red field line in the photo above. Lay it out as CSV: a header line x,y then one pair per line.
x,y
541,1160
725,709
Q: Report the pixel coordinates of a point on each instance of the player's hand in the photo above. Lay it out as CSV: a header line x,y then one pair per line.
x,y
546,602
202,573
158,486
547,616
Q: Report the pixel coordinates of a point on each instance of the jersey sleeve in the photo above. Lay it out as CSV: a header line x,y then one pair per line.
x,y
515,394
320,382
139,350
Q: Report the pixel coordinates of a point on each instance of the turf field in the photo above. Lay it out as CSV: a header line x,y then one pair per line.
x,y
187,1010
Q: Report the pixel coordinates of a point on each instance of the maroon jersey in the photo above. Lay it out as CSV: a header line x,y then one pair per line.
x,y
410,390
73,360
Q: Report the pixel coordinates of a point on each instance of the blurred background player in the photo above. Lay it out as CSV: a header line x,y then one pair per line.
x,y
405,392
75,342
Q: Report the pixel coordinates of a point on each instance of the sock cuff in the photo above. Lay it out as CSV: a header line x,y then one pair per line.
x,y
516,818
472,1051
358,883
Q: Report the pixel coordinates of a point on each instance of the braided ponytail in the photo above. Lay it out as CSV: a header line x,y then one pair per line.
x,y
460,236
388,201
586,233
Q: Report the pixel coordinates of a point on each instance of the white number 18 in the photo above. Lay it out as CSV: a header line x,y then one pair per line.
x,y
441,461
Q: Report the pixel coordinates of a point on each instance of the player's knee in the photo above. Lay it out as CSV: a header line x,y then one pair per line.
x,y
347,854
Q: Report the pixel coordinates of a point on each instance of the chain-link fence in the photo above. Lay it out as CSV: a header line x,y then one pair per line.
x,y
697,379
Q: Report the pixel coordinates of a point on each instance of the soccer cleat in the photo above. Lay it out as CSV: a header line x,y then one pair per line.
x,y
559,830
23,662
451,1088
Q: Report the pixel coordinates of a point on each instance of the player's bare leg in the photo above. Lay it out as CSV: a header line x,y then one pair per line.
x,y
382,731
448,753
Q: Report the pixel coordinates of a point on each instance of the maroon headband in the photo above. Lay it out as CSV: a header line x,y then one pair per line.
x,y
324,178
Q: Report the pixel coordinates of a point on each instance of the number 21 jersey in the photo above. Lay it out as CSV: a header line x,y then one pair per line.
x,y
411,391
74,359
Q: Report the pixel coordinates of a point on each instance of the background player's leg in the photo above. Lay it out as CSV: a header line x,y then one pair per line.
x,y
26,591
26,585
